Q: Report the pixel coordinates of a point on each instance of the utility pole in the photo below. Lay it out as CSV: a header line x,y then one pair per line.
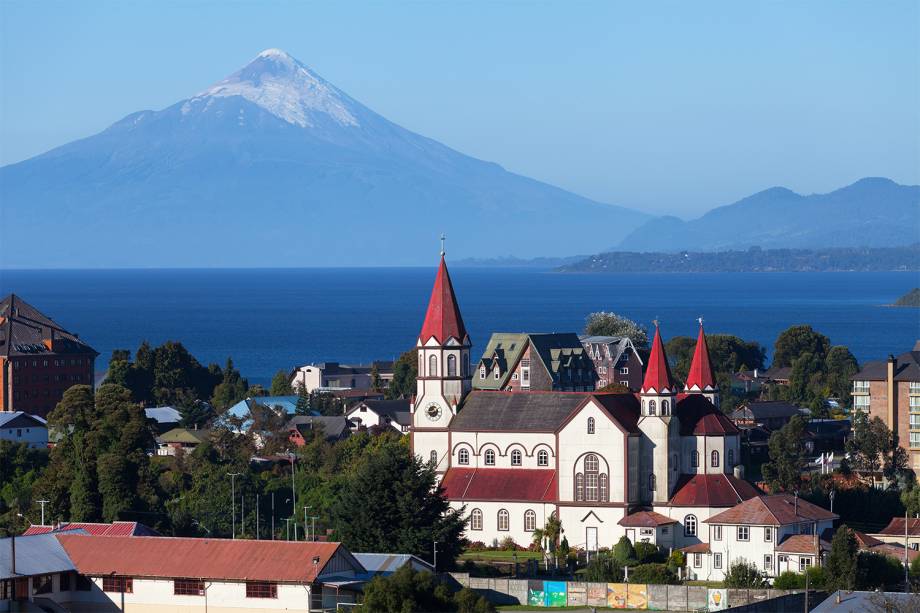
x,y
233,477
435,556
288,525
307,535
43,503
293,497
257,517
313,527
906,564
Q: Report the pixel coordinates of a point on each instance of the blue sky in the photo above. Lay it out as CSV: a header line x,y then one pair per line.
x,y
669,107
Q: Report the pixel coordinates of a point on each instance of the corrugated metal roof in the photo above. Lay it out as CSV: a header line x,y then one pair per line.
x,y
711,491
118,528
239,560
513,484
163,415
646,519
386,563
8,417
516,411
36,554
775,510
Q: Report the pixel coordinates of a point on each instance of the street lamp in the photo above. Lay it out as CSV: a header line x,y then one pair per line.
x,y
233,477
307,536
293,496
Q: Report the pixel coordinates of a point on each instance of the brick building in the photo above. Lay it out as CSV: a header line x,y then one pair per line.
x,y
535,363
615,360
39,359
890,389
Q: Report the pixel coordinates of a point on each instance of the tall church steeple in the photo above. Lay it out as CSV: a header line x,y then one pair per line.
x,y
700,379
659,466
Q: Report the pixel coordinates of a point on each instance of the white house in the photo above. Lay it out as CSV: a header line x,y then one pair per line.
x,y
652,465
20,427
393,413
776,533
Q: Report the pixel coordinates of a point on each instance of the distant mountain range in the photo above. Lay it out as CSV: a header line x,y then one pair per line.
x,y
872,212
274,166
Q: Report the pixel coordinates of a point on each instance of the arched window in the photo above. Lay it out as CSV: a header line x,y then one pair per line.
x,y
731,458
503,520
652,485
434,457
490,457
463,456
665,407
694,459
590,425
690,525
652,408
515,458
579,487
715,458
603,487
433,366
530,521
421,362
476,520
591,477
542,458
482,372
451,365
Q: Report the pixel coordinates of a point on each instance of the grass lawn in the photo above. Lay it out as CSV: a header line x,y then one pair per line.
x,y
503,556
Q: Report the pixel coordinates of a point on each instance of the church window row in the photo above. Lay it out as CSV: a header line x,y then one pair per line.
x,y
503,520
451,365
517,458
591,485
652,407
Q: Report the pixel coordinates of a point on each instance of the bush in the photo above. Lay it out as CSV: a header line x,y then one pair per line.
x,y
817,577
468,601
744,574
603,569
789,580
623,551
647,552
676,560
476,546
508,544
875,570
653,573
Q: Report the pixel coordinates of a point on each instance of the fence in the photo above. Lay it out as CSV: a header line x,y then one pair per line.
x,y
540,593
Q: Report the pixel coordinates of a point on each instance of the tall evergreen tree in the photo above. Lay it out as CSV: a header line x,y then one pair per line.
x,y
281,384
786,448
841,562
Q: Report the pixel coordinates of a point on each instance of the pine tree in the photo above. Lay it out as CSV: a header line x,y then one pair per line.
x,y
281,385
841,562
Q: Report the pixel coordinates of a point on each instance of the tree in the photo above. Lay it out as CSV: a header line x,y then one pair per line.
x,y
281,384
623,551
869,444
841,561
787,456
648,552
392,504
729,354
230,390
303,400
408,590
789,580
20,467
405,372
605,323
744,574
840,365
653,573
798,340
376,381
551,530
806,382
877,571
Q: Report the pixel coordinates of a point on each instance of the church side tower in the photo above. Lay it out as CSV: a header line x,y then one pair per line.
x,y
660,463
444,377
700,379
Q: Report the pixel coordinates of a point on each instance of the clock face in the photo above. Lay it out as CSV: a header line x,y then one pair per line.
x,y
433,411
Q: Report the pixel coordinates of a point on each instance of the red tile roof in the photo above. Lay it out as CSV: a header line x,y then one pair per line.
x,y
711,491
698,416
646,519
865,541
697,548
511,484
896,527
802,543
776,510
118,528
700,378
240,560
658,374
894,551
442,320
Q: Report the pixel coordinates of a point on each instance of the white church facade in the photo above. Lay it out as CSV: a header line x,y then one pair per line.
x,y
653,466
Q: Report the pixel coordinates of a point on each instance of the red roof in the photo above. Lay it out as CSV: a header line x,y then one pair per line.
x,y
700,378
894,551
646,519
239,560
776,510
442,320
511,484
698,416
802,543
711,491
896,527
658,374
865,541
118,528
697,548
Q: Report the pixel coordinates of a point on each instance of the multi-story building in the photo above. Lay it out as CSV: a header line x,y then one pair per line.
x,y
20,427
39,359
535,363
890,389
335,376
615,360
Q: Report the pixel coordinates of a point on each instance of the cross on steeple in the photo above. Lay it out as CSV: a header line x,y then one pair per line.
x,y
443,238
700,319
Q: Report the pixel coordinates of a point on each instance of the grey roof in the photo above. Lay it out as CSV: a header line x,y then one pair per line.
x,y
616,345
556,352
869,602
777,372
516,411
24,330
908,368
21,419
163,415
333,425
38,554
396,410
765,409
387,563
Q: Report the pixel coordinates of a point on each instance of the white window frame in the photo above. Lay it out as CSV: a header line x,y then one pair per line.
x,y
504,519
717,560
543,458
768,534
690,525
463,456
489,457
717,533
744,533
517,458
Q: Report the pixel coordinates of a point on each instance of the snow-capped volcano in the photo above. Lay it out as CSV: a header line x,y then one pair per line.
x,y
282,86
275,166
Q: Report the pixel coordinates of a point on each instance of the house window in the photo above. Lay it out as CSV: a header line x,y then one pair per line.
x,y
476,520
503,520
665,407
42,584
514,377
731,458
915,439
768,562
744,533
496,373
117,585
463,457
624,370
590,425
579,487
261,589
434,458
652,408
591,480
451,366
715,459
603,486
690,525
651,483
768,534
804,563
482,372
433,366
861,403
515,458
860,387
914,420
694,459
188,587
717,533
697,560
525,376
490,457
717,560
542,458
530,521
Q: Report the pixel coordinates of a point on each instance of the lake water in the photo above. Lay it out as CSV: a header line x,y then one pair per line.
x,y
276,319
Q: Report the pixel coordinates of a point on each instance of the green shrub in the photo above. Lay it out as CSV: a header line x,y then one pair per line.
x,y
789,580
623,551
603,569
652,573
875,570
508,544
744,574
468,601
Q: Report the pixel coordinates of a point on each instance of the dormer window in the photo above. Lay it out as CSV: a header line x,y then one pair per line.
x,y
496,373
482,372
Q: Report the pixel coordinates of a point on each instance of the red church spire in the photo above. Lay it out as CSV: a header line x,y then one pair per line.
x,y
658,373
443,320
700,378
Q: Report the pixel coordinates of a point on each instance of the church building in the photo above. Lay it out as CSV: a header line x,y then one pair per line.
x,y
653,465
